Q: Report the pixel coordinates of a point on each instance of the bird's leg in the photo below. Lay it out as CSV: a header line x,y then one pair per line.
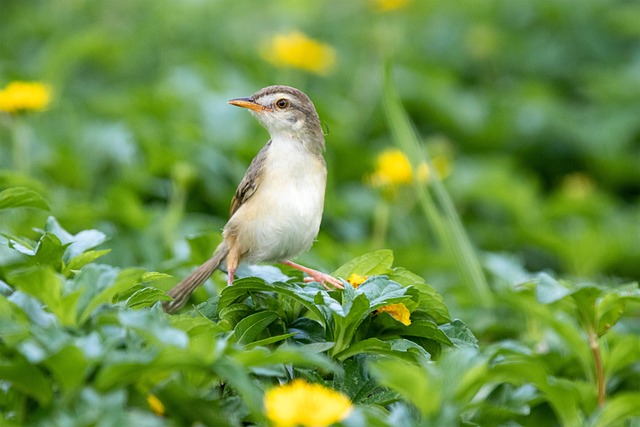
x,y
316,276
233,259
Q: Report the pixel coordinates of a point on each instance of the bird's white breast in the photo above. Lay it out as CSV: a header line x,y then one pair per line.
x,y
282,219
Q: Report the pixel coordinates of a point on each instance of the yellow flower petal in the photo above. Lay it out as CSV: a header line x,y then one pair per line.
x,y
156,405
399,312
356,280
296,50
20,96
392,168
389,5
302,404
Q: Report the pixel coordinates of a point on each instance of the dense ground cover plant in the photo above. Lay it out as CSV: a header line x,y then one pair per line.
x,y
492,147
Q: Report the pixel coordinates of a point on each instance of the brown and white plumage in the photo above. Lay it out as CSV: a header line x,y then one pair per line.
x,y
277,208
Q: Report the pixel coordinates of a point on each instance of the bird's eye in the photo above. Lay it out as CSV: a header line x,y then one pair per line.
x,y
282,103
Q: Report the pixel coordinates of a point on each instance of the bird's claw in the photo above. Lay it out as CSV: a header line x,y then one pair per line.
x,y
326,280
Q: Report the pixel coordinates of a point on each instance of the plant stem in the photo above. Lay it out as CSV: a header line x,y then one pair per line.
x,y
380,224
439,209
21,154
600,380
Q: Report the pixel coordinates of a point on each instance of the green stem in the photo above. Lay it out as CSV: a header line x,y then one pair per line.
x,y
21,152
439,209
380,224
597,357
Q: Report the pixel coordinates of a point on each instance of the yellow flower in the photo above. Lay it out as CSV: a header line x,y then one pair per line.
x,y
296,50
389,5
398,311
24,96
356,280
156,405
302,404
392,168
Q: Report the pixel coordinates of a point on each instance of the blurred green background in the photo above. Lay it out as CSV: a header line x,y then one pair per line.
x,y
533,105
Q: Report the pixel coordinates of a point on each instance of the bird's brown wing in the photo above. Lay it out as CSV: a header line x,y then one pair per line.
x,y
250,181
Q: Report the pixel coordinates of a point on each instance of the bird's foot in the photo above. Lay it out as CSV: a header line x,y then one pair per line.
x,y
326,280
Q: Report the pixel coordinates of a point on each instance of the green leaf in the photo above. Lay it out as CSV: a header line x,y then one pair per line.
x,y
427,329
27,378
77,244
242,287
83,259
251,326
400,348
46,286
270,340
146,297
549,290
610,307
105,286
410,381
300,356
21,197
69,368
459,334
370,264
619,409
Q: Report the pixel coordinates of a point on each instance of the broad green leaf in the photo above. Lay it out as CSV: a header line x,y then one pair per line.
x,y
22,197
146,297
270,340
459,334
77,244
623,351
562,396
154,326
83,259
610,307
46,286
400,348
411,381
69,368
585,298
237,376
619,410
251,326
27,378
370,264
108,287
427,329
241,288
549,290
300,356
49,251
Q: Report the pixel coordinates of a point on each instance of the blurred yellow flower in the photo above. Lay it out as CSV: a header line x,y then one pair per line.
x,y
389,5
296,50
398,311
392,168
302,404
356,280
156,405
21,96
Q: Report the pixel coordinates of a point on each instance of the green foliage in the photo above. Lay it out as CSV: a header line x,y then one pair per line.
x,y
122,184
77,343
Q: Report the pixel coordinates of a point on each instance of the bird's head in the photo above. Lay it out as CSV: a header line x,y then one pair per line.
x,y
284,110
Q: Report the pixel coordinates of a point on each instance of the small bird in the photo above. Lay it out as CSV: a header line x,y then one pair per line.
x,y
277,208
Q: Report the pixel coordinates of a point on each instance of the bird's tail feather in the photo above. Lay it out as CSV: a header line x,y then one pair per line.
x,y
181,292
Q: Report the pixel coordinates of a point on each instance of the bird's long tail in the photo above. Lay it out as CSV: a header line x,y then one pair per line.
x,y
181,292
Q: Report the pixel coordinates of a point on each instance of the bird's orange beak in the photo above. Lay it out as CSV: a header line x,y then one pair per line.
x,y
248,103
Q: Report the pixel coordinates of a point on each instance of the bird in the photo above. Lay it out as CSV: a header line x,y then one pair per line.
x,y
277,208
